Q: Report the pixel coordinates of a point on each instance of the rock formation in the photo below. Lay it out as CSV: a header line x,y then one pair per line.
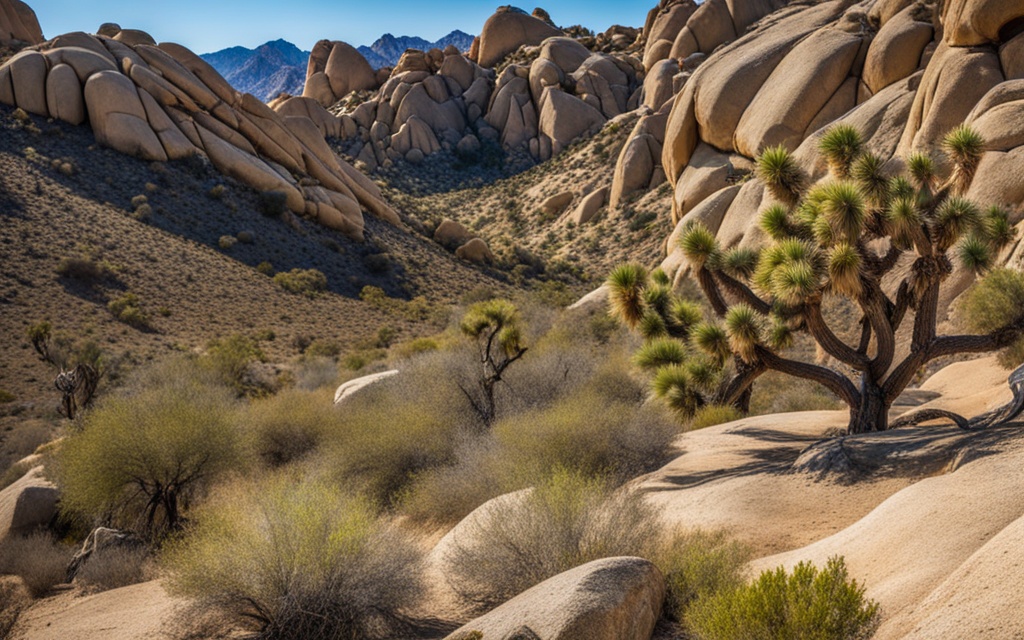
x,y
507,30
334,70
163,102
18,25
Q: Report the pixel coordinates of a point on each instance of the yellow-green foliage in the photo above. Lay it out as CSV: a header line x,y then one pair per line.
x,y
287,426
296,558
308,282
564,522
143,455
37,559
712,414
807,603
994,302
698,564
128,309
230,358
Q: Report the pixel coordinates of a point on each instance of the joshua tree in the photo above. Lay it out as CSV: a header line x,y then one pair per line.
x,y
839,238
79,372
494,326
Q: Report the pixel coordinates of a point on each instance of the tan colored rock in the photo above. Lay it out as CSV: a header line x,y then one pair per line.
x,y
743,214
347,70
708,171
589,206
1000,179
684,46
332,218
233,162
883,10
563,118
556,204
634,167
318,87
796,91
665,27
975,22
202,70
712,25
18,24
162,91
439,116
955,80
658,84
28,75
608,599
544,73
451,234
459,69
121,53
329,125
109,29
6,86
506,31
175,73
134,37
352,387
998,116
1011,57
175,144
565,53
85,62
117,117
412,61
681,134
415,134
896,51
64,95
476,250
28,503
80,40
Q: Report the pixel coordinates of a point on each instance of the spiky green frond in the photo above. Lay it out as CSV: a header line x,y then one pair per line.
x,y
626,285
824,233
779,172
954,218
921,167
499,314
775,222
964,146
657,298
652,325
672,384
771,257
997,227
740,262
699,245
793,283
844,270
904,220
975,254
743,327
510,339
711,339
684,314
659,277
810,209
704,373
660,352
845,210
900,187
840,145
779,335
867,173
795,250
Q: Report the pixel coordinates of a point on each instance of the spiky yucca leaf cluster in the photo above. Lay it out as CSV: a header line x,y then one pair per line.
x,y
841,146
964,146
780,173
699,245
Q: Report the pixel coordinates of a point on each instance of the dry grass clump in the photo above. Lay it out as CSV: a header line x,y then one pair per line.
x,y
562,523
37,559
116,567
712,414
287,558
287,426
778,393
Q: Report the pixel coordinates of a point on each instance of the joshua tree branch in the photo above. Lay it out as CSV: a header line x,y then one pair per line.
x,y
743,292
710,288
835,382
830,342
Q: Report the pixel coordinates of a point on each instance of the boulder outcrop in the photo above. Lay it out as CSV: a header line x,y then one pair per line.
x,y
27,504
18,24
336,69
162,102
507,30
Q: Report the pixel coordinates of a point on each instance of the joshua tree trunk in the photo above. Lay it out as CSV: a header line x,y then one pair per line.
x,y
872,412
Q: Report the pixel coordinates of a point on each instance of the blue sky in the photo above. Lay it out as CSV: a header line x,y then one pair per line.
x,y
210,25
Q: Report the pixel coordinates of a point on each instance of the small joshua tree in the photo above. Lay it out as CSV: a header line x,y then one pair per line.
x,y
838,238
495,327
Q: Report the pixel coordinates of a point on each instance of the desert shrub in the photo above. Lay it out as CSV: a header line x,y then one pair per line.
x,y
807,603
272,203
322,348
216,192
37,559
712,414
142,457
298,560
307,282
6,396
128,309
288,425
226,242
528,537
401,426
698,564
265,268
415,346
589,433
377,263
231,358
778,393
315,373
14,599
82,269
994,302
116,567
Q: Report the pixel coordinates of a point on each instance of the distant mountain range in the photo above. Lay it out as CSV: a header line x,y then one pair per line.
x,y
386,51
265,71
280,66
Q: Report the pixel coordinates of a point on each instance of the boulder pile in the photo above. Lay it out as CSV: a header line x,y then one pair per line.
x,y
163,102
18,25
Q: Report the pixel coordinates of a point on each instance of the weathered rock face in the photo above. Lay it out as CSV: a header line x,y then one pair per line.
x,y
506,31
28,503
336,69
902,83
18,24
609,599
163,103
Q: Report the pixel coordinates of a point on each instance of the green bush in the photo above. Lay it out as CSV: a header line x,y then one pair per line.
x,y
231,357
712,414
298,560
307,282
144,456
807,603
127,308
529,537
288,425
698,564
